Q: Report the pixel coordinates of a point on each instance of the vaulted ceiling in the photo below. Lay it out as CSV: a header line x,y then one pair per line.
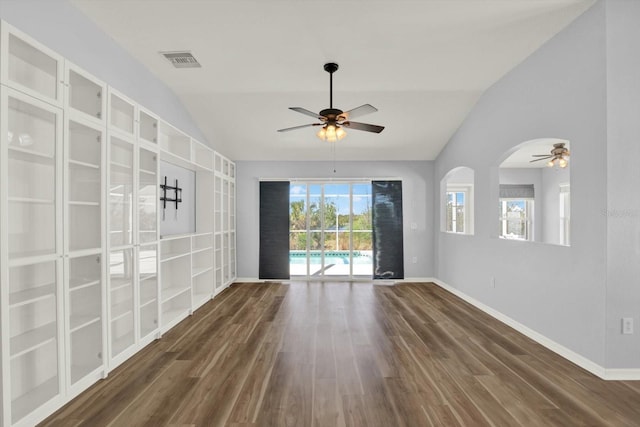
x,y
423,64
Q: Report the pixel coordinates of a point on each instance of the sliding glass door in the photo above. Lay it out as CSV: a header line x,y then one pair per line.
x,y
330,229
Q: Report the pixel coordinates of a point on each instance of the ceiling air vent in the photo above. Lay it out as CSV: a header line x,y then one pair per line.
x,y
182,59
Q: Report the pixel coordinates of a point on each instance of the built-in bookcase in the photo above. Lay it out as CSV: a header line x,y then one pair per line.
x,y
176,279
84,228
31,185
202,268
225,220
86,280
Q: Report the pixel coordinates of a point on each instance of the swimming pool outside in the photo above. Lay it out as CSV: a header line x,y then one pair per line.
x,y
336,263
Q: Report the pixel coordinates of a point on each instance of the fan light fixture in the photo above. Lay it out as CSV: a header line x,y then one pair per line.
x,y
331,133
558,160
559,156
333,120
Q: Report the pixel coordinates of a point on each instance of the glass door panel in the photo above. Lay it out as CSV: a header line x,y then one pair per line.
x,y
330,229
32,137
84,187
121,295
85,315
121,193
148,197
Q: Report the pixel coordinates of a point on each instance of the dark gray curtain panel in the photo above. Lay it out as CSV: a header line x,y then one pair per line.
x,y
388,253
274,230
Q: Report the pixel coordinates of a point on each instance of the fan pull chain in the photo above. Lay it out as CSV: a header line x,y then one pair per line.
x,y
333,151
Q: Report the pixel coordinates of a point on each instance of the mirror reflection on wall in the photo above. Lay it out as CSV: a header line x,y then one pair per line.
x,y
457,201
535,192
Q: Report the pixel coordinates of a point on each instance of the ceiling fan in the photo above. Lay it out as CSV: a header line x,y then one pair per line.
x,y
559,156
332,119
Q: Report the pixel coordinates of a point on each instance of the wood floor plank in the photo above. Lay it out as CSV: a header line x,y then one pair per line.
x,y
347,354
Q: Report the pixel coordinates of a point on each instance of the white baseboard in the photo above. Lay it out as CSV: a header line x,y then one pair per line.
x,y
415,280
622,374
570,355
248,280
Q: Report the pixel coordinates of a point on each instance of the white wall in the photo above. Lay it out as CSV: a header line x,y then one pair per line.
x,y
60,26
557,291
623,181
551,180
417,188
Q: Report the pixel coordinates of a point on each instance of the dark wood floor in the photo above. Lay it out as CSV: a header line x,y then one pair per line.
x,y
332,354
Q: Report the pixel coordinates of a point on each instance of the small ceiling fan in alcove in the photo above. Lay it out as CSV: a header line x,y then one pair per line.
x,y
332,119
559,155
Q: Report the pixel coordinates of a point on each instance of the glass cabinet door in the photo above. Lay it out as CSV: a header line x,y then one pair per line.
x,y
34,338
33,131
32,67
85,315
84,187
121,295
121,193
148,197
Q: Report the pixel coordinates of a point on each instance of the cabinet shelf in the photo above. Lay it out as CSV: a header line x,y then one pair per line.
x,y
82,283
33,339
83,164
23,405
121,310
79,203
198,271
151,301
171,292
31,152
147,277
169,316
148,172
78,322
117,284
121,166
171,256
121,343
31,200
201,297
32,295
195,251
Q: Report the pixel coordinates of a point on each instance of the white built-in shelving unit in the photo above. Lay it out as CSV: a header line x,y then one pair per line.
x,y
84,228
224,220
87,280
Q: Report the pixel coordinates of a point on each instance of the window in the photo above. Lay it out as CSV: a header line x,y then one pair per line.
x,y
526,173
516,219
456,211
565,214
456,201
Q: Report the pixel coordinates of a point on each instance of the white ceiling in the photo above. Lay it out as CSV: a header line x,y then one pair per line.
x,y
423,64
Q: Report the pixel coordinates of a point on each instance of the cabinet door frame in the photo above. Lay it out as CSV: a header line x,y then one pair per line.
x,y
57,256
115,360
6,30
98,125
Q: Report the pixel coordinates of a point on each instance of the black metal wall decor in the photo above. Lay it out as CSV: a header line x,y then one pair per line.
x,y
177,195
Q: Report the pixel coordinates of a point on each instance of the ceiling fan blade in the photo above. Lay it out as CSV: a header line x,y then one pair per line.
x,y
359,111
299,127
306,112
541,155
363,126
543,158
